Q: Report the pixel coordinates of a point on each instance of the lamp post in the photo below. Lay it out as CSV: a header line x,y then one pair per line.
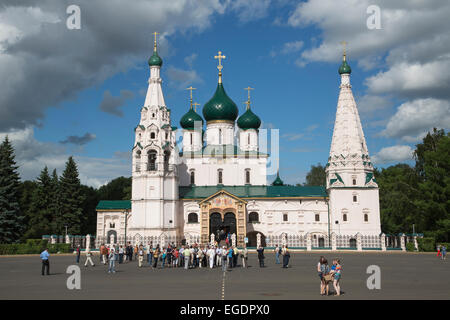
x,y
126,220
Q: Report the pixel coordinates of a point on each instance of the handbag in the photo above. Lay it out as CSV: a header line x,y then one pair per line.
x,y
328,277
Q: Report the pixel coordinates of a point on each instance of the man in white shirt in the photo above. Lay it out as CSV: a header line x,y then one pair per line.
x,y
218,256
89,258
211,255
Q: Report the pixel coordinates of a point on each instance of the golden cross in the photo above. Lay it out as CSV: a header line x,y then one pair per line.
x,y
247,103
220,57
195,104
248,89
344,44
155,34
190,88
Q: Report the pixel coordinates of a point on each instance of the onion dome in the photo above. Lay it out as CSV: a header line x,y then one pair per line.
x,y
188,120
345,68
278,181
249,120
155,60
220,106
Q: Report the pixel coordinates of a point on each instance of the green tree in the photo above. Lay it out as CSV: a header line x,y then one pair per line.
x,y
41,216
11,218
316,176
429,143
434,202
26,194
399,189
57,221
89,204
71,199
117,189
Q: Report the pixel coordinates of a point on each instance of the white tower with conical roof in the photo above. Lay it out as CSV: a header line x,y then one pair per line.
x,y
352,188
154,174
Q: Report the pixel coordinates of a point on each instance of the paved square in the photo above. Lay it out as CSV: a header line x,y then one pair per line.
x,y
403,276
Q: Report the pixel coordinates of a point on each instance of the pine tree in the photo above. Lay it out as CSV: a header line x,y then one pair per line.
x,y
71,198
56,223
40,212
10,215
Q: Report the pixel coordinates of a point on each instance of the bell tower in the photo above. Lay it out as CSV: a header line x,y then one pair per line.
x,y
154,173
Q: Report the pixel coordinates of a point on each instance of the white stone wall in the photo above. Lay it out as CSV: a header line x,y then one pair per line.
x,y
244,140
226,135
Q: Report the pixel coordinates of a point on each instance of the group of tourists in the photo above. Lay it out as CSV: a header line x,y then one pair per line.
x,y
441,251
329,275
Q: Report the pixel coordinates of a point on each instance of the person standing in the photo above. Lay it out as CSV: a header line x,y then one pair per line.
x,y
337,277
181,256
443,252
78,253
45,261
438,251
261,257
141,256
218,256
244,257
286,256
156,253
175,257
150,255
224,256
121,251
211,255
230,257
112,260
187,257
103,252
164,256
200,258
235,256
277,254
89,258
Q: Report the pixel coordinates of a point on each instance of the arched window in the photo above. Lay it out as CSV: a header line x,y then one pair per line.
x,y
138,159
253,217
190,135
247,176
151,165
248,138
192,177
354,180
219,176
344,217
152,135
220,136
355,198
192,217
285,217
366,217
166,160
317,217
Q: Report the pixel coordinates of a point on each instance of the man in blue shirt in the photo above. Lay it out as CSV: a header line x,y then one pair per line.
x,y
45,263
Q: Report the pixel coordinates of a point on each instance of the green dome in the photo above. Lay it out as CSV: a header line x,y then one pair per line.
x,y
249,120
220,107
345,68
278,181
188,120
155,60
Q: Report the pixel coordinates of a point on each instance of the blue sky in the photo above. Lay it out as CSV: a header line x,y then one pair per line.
x,y
288,51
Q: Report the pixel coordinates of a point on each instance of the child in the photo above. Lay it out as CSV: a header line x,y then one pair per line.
x,y
337,276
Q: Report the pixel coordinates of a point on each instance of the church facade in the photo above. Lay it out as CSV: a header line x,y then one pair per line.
x,y
215,182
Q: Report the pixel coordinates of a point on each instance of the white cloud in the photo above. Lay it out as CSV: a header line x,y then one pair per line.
x,y
249,10
33,155
413,119
183,78
393,154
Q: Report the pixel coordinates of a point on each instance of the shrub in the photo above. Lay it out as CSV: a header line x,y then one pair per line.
x,y
410,246
33,247
426,244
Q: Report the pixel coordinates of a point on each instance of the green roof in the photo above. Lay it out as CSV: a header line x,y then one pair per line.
x,y
345,68
189,119
220,106
155,60
249,120
200,192
113,205
278,181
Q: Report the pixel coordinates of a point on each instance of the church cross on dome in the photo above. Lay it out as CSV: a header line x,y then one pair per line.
x,y
154,43
191,89
220,67
248,96
344,45
195,104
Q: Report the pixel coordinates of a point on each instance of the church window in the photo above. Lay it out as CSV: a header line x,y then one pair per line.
x,y
190,136
151,166
153,115
344,217
366,217
354,180
112,225
355,198
247,176
193,217
317,217
138,158
253,217
285,217
167,136
166,160
152,135
219,176
248,139
220,136
192,177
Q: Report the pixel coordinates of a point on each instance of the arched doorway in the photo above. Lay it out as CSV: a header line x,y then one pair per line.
x,y
108,236
229,223
353,243
215,226
321,242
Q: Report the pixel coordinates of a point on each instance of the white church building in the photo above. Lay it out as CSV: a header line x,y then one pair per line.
x,y
215,182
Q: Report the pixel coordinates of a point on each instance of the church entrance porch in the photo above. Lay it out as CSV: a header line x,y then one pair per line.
x,y
222,214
